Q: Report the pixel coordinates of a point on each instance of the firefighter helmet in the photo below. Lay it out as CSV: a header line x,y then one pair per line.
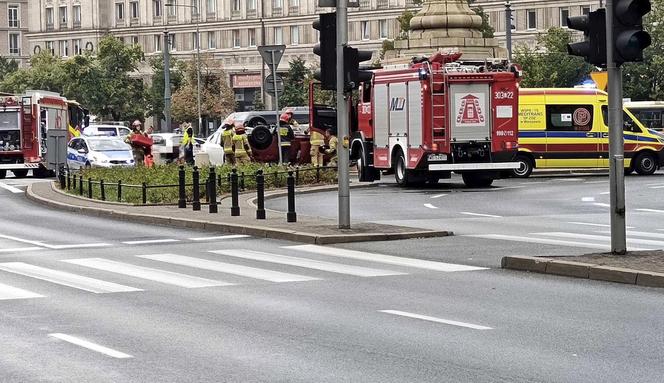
x,y
286,116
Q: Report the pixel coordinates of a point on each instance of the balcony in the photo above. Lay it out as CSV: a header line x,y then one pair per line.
x,y
365,4
236,14
294,10
49,27
277,12
382,4
211,16
77,24
251,14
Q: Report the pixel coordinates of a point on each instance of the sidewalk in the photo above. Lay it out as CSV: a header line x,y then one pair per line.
x,y
307,229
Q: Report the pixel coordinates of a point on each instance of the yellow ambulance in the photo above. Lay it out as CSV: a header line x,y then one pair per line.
x,y
567,128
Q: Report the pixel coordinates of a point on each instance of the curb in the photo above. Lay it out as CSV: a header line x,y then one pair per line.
x,y
583,270
231,228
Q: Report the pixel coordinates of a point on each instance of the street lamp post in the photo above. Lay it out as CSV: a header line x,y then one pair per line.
x,y
198,60
508,29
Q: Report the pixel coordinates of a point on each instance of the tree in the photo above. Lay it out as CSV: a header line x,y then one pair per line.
x,y
7,67
486,28
548,64
258,101
296,87
46,72
154,96
643,81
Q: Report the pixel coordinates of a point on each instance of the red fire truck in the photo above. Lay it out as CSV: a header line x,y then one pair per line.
x,y
33,133
438,115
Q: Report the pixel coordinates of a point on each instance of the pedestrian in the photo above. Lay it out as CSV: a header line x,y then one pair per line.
x,y
187,148
241,147
227,141
138,145
331,147
316,139
286,122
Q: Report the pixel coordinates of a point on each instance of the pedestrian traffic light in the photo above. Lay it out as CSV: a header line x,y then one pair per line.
x,y
593,47
628,35
326,49
353,76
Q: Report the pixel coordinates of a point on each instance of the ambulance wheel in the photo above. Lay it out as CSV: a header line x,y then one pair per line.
x,y
401,173
645,164
475,180
20,173
3,174
525,167
261,137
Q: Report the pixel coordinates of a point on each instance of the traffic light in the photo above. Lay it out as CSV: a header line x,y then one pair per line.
x,y
629,37
353,76
593,47
326,49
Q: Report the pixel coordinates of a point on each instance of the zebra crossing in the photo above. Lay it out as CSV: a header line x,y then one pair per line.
x,y
299,264
597,240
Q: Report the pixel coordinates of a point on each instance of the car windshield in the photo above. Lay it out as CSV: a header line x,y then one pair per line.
x,y
108,145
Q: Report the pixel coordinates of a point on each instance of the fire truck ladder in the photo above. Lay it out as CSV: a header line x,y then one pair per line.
x,y
438,106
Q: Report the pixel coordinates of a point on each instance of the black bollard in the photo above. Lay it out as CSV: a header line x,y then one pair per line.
x,y
297,175
196,204
212,191
61,177
317,174
260,195
119,190
68,180
242,181
235,206
90,188
182,200
291,216
101,190
144,189
80,185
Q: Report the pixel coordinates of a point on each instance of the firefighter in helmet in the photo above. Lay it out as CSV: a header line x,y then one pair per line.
x,y
241,147
317,140
137,150
227,140
286,123
331,147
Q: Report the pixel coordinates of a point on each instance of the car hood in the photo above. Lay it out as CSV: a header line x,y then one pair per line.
x,y
115,154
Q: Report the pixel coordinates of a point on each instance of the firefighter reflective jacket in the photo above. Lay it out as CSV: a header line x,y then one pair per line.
x,y
227,140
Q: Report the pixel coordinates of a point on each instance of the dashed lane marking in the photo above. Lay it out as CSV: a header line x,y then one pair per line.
x,y
642,234
430,206
438,196
543,241
595,224
607,239
600,204
151,241
480,215
651,211
11,188
588,199
219,237
436,320
91,346
656,187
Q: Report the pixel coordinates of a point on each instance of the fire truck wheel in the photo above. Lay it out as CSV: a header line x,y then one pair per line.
x,y
645,164
475,180
20,173
401,174
261,137
3,174
363,172
525,167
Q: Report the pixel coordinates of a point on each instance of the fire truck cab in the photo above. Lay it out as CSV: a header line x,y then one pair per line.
x,y
424,120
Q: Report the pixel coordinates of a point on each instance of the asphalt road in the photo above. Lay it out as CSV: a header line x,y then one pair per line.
x,y
541,216
84,299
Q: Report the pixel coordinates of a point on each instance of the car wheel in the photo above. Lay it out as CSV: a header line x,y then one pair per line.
x,y
525,166
261,137
646,164
20,173
476,180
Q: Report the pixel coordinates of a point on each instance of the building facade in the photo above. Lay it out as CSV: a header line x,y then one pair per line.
x,y
13,30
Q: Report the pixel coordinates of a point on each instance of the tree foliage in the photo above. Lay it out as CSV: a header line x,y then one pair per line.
x,y
548,64
296,86
7,67
154,96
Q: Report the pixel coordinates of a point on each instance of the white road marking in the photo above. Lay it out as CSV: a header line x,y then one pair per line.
x,y
657,187
17,249
228,268
600,204
382,258
162,276
76,246
657,184
17,239
219,237
643,234
589,224
308,263
430,206
651,211
570,179
605,193
596,182
506,188
10,292
66,279
531,183
438,196
543,241
434,319
480,215
91,346
660,229
600,238
588,199
10,188
148,241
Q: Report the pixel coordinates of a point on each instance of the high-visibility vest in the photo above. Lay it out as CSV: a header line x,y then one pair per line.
x,y
227,139
239,142
316,138
285,139
187,139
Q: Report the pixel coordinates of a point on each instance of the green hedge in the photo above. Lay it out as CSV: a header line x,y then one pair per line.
x,y
275,177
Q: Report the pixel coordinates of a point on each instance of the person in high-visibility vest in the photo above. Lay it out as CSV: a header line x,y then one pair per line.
x,y
286,134
227,142
317,140
331,147
188,144
241,147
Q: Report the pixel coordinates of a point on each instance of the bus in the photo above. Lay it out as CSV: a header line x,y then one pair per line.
x,y
649,113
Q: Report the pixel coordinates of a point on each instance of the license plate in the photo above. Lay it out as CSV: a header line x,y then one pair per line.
x,y
437,157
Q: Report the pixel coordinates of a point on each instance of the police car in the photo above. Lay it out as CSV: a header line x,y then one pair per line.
x,y
86,152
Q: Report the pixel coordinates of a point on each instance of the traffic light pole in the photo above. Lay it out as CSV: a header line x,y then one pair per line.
x,y
342,118
167,82
616,143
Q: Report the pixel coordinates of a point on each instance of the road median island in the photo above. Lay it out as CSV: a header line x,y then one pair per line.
x,y
307,229
642,268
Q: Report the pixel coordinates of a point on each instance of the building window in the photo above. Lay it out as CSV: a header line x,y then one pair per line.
x,y
532,19
277,4
63,16
194,40
77,46
134,9
278,35
49,47
294,3
12,16
252,37
564,14
237,5
76,11
171,41
49,16
251,5
14,44
382,29
172,10
212,40
195,9
211,6
134,40
64,48
295,35
156,5
236,38
364,29
119,11
585,10
157,43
